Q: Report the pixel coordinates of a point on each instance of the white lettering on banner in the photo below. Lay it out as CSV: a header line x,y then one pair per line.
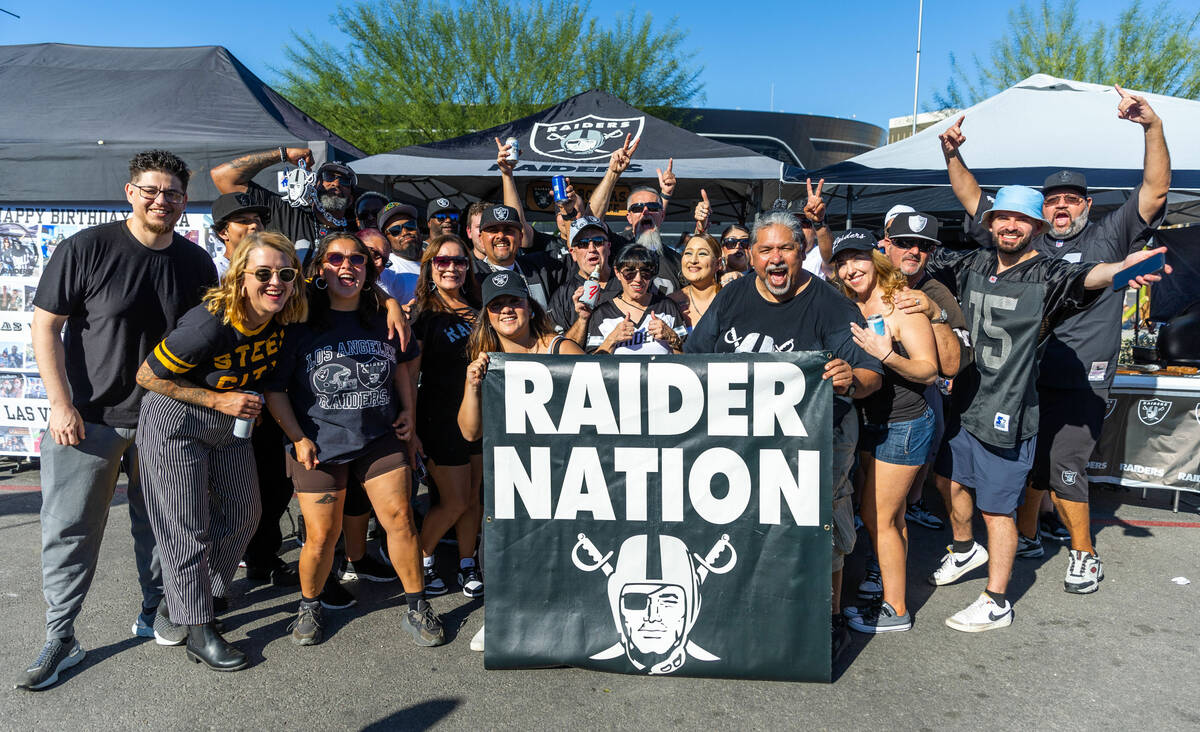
x,y
739,401
1190,477
1097,465
1143,469
585,491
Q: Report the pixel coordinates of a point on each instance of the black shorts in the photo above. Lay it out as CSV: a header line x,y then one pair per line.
x,y
385,454
1068,428
443,442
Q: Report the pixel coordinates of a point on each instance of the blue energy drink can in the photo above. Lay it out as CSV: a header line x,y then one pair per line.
x,y
876,323
559,185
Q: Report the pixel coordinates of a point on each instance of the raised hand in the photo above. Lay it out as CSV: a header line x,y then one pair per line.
x,y
666,178
703,210
502,150
814,206
622,156
1135,108
953,138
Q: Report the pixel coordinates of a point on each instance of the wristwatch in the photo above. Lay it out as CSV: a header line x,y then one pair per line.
x,y
818,225
941,318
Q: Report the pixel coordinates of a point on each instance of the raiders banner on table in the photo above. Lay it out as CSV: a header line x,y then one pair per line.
x,y
659,516
1149,439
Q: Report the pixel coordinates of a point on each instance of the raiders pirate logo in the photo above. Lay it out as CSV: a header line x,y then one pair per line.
x,y
500,279
243,199
1109,405
584,138
1064,177
654,597
917,223
1069,477
442,203
372,373
500,213
1152,411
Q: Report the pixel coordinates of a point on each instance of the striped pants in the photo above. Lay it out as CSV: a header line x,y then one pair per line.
x,y
202,498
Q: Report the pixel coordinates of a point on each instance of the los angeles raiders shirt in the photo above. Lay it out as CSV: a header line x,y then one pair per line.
x,y
223,357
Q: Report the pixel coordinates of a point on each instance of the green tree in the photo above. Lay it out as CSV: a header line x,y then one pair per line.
x,y
415,71
1154,51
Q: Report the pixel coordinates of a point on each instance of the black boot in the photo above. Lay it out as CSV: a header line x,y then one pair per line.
x,y
205,644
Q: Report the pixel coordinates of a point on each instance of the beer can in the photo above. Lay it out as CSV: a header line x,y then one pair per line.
x,y
514,149
876,323
243,427
559,185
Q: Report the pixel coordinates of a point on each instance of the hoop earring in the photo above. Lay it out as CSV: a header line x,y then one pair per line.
x,y
320,283
366,288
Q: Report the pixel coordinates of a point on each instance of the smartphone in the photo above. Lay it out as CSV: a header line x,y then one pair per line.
x,y
1144,267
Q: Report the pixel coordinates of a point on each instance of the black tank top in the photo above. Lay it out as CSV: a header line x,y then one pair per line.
x,y
898,400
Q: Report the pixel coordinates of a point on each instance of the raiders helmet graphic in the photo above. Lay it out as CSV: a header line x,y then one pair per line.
x,y
332,378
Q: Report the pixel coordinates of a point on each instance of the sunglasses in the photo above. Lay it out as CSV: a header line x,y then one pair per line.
x,y
335,259
329,176
399,229
630,273
1070,199
652,207
731,243
584,243
150,193
445,216
920,244
446,262
264,274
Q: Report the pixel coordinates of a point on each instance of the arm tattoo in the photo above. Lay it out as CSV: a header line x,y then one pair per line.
x,y
249,165
181,390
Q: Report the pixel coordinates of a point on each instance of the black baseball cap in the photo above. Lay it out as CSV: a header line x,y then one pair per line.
x,y
1066,179
230,204
340,168
395,210
441,205
504,282
853,240
914,225
499,215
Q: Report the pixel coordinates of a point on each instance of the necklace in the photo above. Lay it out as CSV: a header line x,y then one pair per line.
x,y
633,304
328,216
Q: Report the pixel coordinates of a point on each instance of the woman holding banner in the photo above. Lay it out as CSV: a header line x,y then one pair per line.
x,y
897,429
512,322
641,321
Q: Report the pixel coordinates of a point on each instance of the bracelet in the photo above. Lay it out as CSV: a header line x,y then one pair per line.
x,y
889,355
819,224
664,196
282,154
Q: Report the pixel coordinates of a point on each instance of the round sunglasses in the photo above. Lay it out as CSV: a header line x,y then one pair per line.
x,y
264,274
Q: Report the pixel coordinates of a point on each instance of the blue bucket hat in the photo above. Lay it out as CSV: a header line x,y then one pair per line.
x,y
1018,199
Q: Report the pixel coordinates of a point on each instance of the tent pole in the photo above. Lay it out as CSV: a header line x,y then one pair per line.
x,y
849,207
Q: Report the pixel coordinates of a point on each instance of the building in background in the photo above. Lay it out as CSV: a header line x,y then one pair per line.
x,y
808,140
901,127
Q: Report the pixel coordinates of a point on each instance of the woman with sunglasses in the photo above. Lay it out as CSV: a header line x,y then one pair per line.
x,y
348,411
735,248
446,309
701,264
897,430
641,321
512,322
198,473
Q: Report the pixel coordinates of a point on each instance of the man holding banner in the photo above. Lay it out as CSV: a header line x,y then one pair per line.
x,y
785,308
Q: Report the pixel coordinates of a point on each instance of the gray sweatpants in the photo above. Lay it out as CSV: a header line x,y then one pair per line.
x,y
202,495
77,489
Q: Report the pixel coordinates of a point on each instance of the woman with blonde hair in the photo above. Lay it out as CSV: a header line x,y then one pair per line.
x,y
197,469
897,429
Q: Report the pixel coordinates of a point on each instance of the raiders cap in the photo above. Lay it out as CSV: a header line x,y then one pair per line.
x,y
1066,179
499,215
441,205
395,210
853,240
504,282
231,204
914,226
585,222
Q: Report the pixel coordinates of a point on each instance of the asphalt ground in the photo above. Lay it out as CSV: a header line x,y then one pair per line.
x,y
1124,656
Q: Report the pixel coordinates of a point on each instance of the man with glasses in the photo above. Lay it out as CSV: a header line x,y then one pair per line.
x,y
331,211
235,217
1080,357
443,217
118,288
398,222
501,232
589,248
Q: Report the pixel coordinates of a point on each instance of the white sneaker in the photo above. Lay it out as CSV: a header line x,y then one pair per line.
x,y
1084,572
955,565
477,640
983,614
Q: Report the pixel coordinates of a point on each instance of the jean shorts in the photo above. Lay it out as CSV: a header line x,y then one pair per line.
x,y
899,443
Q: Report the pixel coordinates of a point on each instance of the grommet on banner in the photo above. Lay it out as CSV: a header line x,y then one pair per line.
x,y
489,519
826,527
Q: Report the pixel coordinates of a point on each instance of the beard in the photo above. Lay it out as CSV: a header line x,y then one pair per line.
x,y
785,288
333,203
1017,248
650,239
160,229
1077,224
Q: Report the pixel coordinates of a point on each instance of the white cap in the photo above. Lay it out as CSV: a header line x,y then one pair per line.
x,y
895,211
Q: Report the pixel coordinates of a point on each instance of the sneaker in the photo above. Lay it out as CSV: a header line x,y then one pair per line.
x,y
1051,527
1029,548
871,587
839,637
1084,572
166,632
143,627
56,657
855,611
368,568
880,619
424,625
916,514
477,640
434,585
279,574
471,581
983,614
336,597
955,565
306,628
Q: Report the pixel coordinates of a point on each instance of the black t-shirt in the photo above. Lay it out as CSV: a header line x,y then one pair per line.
x,y
944,299
562,302
1010,313
608,316
121,298
221,357
300,225
818,318
340,382
1081,353
897,400
543,274
444,362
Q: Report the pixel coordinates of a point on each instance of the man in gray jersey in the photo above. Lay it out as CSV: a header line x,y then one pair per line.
x,y
1080,357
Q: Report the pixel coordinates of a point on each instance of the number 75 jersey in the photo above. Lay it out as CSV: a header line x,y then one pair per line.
x,y
1010,314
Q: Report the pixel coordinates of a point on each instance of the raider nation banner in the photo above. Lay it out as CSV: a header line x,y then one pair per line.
x,y
659,516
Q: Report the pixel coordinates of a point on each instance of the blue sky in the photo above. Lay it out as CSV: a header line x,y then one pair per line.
x,y
845,59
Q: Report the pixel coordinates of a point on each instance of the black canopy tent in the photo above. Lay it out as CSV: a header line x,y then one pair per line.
x,y
75,115
575,138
